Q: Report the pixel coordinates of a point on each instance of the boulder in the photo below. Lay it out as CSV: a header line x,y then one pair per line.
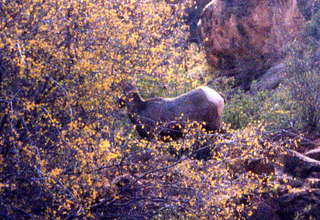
x,y
248,36
300,205
272,78
296,205
299,165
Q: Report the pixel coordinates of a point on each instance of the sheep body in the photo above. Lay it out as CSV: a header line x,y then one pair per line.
x,y
166,116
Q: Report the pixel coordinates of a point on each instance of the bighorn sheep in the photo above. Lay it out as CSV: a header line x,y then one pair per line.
x,y
167,116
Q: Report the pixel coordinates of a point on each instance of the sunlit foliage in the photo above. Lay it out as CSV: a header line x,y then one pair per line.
x,y
66,149
304,84
60,65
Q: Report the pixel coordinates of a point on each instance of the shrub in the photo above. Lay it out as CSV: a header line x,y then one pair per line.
x,y
304,79
60,62
164,186
244,108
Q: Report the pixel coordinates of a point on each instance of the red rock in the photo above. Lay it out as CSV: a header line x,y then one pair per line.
x,y
248,34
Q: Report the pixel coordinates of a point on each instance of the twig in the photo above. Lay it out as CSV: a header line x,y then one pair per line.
x,y
64,90
159,169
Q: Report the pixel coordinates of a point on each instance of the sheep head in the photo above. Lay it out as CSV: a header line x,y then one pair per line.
x,y
130,98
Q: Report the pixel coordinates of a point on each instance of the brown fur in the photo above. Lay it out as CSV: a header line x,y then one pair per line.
x,y
167,116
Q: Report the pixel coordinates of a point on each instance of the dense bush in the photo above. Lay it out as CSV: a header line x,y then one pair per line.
x,y
304,76
305,90
155,182
68,152
243,108
60,62
271,107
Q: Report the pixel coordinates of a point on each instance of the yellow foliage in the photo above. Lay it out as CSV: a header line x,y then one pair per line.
x,y
64,61
55,172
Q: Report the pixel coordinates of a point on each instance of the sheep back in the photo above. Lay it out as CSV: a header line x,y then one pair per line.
x,y
166,116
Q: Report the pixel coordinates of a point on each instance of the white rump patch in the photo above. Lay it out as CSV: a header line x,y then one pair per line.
x,y
215,98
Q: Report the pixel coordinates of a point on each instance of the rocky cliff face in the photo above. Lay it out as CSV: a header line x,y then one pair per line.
x,y
248,36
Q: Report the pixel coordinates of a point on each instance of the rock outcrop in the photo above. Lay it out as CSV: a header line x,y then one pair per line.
x,y
272,77
248,36
298,194
300,165
296,205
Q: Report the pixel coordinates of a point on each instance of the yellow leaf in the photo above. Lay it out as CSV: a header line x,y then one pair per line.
x,y
104,145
